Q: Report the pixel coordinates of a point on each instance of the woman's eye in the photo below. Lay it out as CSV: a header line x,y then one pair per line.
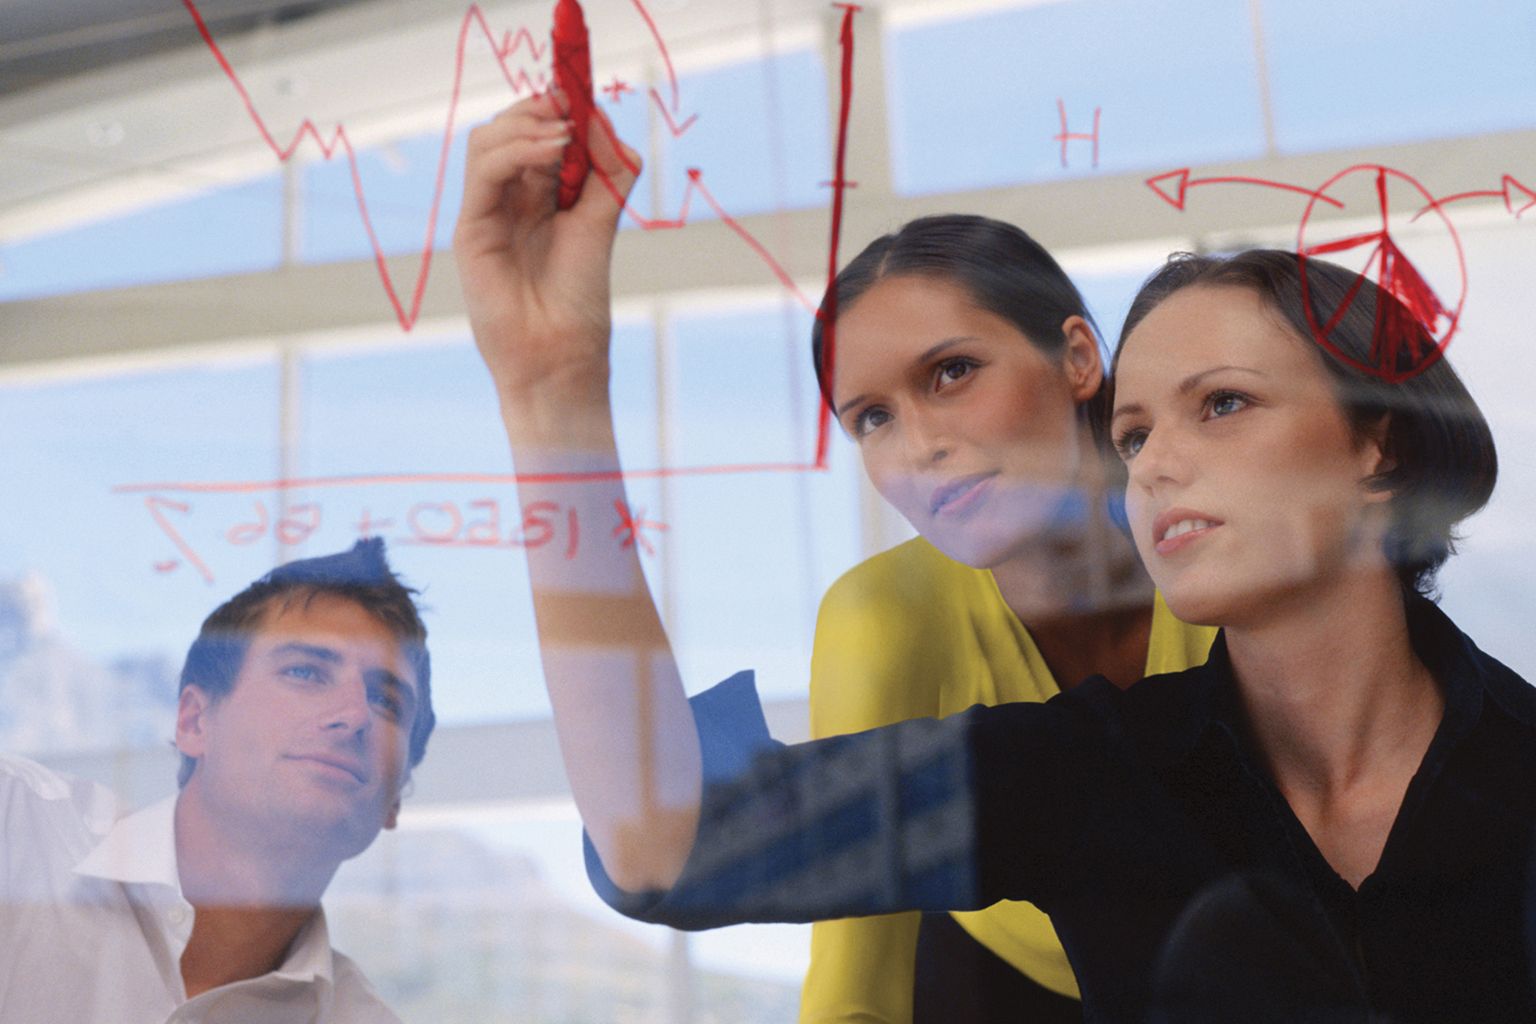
x,y
869,419
952,370
1129,442
1225,403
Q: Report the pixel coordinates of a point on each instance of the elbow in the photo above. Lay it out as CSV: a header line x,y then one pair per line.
x,y
648,853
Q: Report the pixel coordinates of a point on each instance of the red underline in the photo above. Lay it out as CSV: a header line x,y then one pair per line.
x,y
394,479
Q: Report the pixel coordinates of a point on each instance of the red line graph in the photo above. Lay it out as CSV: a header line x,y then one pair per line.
x,y
502,49
518,81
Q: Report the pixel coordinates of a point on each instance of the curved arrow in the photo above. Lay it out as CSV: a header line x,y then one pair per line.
x,y
1183,183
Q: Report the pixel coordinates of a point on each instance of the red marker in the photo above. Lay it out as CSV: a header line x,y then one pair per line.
x,y
573,75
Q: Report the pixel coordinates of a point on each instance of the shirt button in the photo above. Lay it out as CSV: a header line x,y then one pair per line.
x,y
177,916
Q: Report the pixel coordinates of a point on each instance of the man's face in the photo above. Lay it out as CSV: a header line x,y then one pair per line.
x,y
310,744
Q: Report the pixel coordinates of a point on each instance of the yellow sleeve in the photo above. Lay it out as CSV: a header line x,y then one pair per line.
x,y
865,665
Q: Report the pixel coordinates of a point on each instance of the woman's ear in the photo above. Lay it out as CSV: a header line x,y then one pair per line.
x,y
1081,359
1376,455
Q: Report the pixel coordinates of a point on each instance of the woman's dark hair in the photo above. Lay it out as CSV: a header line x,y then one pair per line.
x,y
1439,449
1007,273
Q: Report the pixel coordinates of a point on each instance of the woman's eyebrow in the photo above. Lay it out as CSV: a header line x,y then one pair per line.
x,y
849,405
947,343
1191,382
1187,385
923,357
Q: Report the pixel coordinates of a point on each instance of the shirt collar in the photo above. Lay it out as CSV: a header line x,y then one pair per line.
x,y
1463,671
1171,726
140,849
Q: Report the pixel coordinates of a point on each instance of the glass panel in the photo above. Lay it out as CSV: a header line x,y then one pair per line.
x,y
495,921
403,412
229,230
753,553
974,101
100,593
761,141
1377,71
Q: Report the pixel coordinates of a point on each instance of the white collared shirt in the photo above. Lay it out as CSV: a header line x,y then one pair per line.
x,y
93,922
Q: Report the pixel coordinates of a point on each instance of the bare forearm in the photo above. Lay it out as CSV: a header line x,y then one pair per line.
x,y
626,730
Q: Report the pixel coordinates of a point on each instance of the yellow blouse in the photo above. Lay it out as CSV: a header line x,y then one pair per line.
x,y
910,633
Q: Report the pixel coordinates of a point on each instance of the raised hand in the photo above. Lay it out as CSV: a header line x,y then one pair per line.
x,y
536,279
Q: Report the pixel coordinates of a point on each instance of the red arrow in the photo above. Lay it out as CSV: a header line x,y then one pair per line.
x,y
1510,190
1182,183
672,126
666,59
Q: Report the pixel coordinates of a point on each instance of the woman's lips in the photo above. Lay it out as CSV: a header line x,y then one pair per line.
x,y
962,495
1176,529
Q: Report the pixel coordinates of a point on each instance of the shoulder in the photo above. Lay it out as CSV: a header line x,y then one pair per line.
x,y
1451,652
912,578
25,783
356,1001
892,638
48,818
1510,690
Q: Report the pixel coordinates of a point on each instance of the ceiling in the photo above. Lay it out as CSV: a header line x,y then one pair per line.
x,y
45,41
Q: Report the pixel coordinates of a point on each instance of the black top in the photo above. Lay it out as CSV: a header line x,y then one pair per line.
x,y
1179,880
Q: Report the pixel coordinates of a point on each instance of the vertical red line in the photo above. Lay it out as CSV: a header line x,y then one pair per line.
x,y
839,183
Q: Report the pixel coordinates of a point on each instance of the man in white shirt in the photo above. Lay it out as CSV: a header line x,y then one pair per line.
x,y
305,702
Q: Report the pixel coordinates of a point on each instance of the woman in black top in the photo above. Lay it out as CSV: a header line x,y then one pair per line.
x,y
1328,820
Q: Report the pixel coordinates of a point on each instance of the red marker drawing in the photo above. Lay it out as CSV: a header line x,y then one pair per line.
x,y
573,76
1510,190
503,49
1172,186
1409,335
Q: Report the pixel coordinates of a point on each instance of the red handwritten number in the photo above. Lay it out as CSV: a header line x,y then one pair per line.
x,y
297,526
156,506
537,529
488,530
421,534
249,533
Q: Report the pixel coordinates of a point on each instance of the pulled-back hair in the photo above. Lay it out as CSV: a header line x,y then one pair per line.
x,y
361,575
1006,272
1439,450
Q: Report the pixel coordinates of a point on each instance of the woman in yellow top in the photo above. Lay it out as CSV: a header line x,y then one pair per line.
x,y
966,367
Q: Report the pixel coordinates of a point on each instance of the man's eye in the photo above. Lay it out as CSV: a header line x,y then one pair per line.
x,y
391,704
309,673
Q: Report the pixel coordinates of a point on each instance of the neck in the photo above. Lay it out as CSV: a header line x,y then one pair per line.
x,y
1333,690
1080,590
1076,569
251,896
